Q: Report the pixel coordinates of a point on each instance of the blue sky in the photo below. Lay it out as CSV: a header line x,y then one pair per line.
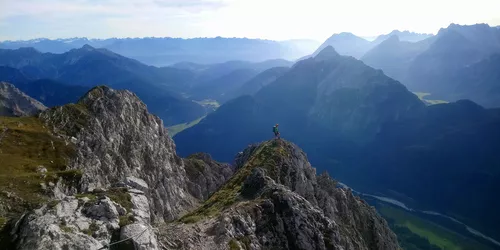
x,y
269,19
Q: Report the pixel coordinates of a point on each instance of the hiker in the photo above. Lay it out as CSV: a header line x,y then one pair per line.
x,y
276,132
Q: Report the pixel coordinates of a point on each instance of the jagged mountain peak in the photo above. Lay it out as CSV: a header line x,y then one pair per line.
x,y
275,183
327,53
104,91
13,102
124,175
393,38
346,35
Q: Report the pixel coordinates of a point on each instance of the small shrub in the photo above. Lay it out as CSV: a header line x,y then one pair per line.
x,y
126,220
121,196
93,227
233,245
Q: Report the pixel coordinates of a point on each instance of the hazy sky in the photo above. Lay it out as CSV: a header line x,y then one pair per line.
x,y
270,19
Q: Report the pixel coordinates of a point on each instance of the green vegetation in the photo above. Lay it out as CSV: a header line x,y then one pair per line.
x,y
93,227
175,129
126,220
76,113
3,220
407,225
71,177
267,156
53,203
67,229
422,95
25,146
233,245
120,196
240,243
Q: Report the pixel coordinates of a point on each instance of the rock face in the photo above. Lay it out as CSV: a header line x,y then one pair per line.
x,y
205,175
276,201
132,179
116,137
118,146
71,224
13,102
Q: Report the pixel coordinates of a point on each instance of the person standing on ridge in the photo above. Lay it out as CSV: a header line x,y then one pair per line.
x,y
276,132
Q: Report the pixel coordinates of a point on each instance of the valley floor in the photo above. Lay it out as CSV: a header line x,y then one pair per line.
x,y
437,235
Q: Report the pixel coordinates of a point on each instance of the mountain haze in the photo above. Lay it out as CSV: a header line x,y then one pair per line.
x,y
457,63
353,119
329,94
88,67
167,51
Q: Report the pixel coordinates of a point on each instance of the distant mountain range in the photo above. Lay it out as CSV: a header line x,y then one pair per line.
x,y
351,45
51,93
357,123
87,67
170,92
167,51
458,63
222,81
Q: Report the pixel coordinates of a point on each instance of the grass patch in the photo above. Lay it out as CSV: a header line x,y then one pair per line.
x,y
120,196
193,166
436,235
53,203
74,117
67,229
233,245
71,177
175,129
26,144
3,221
126,220
268,155
93,227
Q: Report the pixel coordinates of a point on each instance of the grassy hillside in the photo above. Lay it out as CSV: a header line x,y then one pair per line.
x,y
27,147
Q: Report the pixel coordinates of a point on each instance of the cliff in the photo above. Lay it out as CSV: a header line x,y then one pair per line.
x,y
105,174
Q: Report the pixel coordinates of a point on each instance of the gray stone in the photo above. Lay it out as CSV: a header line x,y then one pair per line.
x,y
137,183
61,227
121,139
140,207
142,236
286,206
14,102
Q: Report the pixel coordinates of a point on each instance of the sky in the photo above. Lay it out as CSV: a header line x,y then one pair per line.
x,y
266,19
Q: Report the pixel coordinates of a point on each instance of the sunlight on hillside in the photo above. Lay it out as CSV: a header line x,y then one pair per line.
x,y
209,103
175,129
422,95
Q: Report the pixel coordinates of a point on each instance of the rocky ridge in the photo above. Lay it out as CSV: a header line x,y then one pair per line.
x,y
14,102
127,177
127,184
276,201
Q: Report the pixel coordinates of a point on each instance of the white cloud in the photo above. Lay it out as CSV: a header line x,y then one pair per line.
x,y
272,19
